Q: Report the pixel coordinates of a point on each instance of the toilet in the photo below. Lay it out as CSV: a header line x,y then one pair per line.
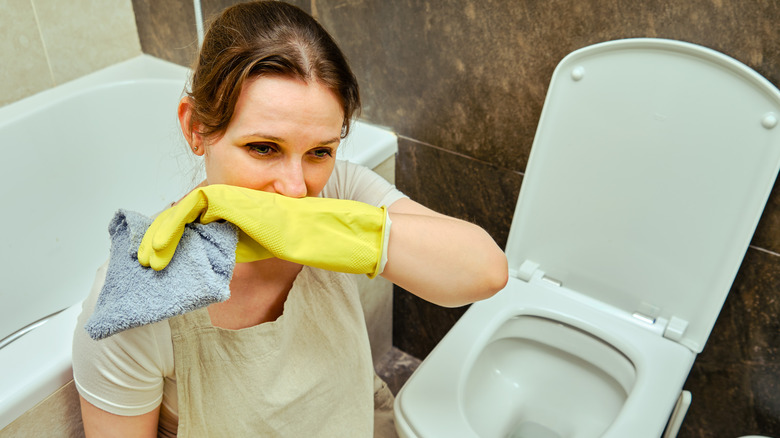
x,y
652,163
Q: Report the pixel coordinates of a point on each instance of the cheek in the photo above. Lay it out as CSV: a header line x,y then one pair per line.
x,y
317,177
215,170
222,171
227,166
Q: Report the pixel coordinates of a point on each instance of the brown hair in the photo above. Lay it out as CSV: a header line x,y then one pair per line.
x,y
264,38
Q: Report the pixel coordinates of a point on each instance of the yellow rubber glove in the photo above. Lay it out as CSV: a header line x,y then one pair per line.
x,y
333,234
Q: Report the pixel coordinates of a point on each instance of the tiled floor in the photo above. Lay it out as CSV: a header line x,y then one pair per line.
x,y
396,367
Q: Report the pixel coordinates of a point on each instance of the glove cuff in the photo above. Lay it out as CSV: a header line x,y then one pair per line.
x,y
385,239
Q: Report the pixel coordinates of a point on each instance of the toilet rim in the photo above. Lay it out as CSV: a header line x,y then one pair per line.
x,y
660,360
572,309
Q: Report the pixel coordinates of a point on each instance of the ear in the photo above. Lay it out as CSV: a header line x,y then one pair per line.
x,y
194,139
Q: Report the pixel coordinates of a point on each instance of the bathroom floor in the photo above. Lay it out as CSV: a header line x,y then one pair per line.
x,y
396,367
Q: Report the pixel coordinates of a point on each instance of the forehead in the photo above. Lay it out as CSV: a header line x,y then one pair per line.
x,y
279,97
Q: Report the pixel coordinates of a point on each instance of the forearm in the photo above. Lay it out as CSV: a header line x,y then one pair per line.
x,y
441,259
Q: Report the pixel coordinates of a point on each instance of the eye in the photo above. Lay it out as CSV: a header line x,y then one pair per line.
x,y
322,152
262,148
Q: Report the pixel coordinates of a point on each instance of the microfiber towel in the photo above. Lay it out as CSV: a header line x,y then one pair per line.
x,y
133,295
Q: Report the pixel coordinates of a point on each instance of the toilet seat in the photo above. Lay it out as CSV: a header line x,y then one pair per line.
x,y
650,169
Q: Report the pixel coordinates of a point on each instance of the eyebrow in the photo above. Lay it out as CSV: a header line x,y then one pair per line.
x,y
281,140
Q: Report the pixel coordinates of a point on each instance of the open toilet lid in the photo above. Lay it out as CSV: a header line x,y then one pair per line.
x,y
651,165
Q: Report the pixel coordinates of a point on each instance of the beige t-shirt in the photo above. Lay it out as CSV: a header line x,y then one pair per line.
x,y
132,372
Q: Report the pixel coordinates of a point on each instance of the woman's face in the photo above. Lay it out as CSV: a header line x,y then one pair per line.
x,y
282,138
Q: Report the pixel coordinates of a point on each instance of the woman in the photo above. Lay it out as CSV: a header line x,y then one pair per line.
x,y
287,354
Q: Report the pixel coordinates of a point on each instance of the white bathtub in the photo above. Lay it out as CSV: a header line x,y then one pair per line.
x,y
69,158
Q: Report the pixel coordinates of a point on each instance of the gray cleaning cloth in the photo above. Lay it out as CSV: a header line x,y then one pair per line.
x,y
133,295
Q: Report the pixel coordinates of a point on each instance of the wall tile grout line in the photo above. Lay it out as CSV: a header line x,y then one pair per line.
x,y
459,154
439,148
43,42
758,248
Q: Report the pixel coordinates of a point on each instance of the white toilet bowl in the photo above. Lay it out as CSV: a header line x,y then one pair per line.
x,y
649,171
529,362
518,365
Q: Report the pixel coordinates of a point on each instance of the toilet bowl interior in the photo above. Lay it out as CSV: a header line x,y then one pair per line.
x,y
540,378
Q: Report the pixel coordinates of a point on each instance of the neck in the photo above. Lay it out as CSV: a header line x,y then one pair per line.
x,y
273,271
258,291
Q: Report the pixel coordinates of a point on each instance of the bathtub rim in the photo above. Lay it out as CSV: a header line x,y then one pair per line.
x,y
139,68
22,386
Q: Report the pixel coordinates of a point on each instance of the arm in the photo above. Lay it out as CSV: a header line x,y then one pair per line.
x,y
128,369
99,423
441,259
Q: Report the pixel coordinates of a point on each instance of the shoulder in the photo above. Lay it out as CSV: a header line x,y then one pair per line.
x,y
359,183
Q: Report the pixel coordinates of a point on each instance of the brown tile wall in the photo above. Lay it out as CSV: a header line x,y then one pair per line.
x,y
167,29
463,82
214,7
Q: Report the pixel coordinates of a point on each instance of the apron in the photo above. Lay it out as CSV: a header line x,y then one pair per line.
x,y
309,373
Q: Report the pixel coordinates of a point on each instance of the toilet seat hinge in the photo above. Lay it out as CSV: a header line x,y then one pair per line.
x,y
552,281
647,313
647,319
527,270
675,329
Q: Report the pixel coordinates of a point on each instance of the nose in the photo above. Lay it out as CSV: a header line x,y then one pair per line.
x,y
290,181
